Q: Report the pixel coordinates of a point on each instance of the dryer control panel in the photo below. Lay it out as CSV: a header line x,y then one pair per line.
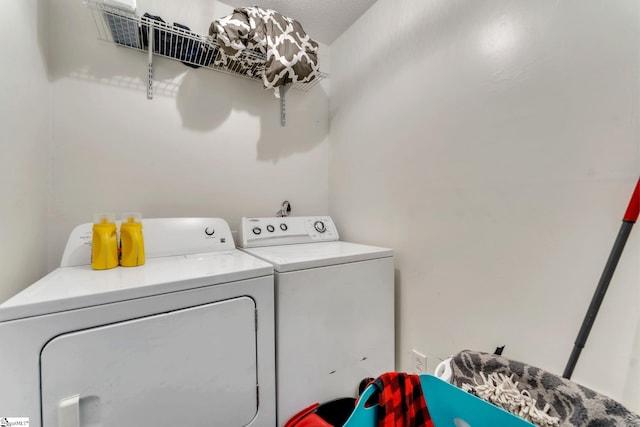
x,y
255,232
162,237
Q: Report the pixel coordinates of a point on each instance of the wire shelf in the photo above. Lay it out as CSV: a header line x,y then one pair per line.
x,y
125,28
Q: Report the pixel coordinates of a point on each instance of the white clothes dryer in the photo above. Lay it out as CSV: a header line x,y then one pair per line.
x,y
334,308
185,339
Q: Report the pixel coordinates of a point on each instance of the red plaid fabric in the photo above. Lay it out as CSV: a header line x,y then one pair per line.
x,y
401,402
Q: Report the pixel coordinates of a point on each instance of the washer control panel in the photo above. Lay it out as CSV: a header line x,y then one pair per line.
x,y
288,230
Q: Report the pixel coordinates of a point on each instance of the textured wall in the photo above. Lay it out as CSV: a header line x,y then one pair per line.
x,y
24,136
495,146
208,144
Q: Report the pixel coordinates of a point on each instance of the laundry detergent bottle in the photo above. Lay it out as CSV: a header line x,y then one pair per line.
x,y
104,242
131,241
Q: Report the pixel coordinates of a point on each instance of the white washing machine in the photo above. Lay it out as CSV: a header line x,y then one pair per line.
x,y
334,308
185,339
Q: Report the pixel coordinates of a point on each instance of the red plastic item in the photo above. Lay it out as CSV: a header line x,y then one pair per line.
x,y
634,205
307,418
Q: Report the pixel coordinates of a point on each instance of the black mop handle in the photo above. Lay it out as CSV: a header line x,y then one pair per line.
x,y
630,217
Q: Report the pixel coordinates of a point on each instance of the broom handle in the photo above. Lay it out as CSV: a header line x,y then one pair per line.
x,y
630,217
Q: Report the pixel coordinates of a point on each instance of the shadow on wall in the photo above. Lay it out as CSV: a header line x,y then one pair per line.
x,y
43,31
396,310
205,98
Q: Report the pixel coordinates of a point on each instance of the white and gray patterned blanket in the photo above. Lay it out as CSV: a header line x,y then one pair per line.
x,y
291,55
573,404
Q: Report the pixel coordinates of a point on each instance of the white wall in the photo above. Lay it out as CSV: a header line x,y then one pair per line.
x,y
631,393
495,146
208,144
24,136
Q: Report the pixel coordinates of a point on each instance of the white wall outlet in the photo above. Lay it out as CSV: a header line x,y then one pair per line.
x,y
418,362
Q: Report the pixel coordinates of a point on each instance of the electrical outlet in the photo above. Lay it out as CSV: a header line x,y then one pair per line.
x,y
418,362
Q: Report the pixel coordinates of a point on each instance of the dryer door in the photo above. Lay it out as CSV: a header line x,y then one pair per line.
x,y
194,366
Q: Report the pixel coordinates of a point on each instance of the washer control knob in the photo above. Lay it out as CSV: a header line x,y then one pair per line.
x,y
319,226
283,227
256,230
209,231
270,228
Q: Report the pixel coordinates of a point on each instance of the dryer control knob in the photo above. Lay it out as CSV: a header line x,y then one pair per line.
x,y
319,226
257,230
270,228
283,227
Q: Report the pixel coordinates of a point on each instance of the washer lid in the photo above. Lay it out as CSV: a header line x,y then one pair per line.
x,y
302,256
68,288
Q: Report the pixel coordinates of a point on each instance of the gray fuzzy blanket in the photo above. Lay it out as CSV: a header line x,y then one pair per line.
x,y
573,404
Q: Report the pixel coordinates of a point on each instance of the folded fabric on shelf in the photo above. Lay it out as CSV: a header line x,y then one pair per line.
x,y
177,42
127,5
291,55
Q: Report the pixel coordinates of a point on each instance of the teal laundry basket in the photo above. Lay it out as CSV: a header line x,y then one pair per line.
x,y
448,406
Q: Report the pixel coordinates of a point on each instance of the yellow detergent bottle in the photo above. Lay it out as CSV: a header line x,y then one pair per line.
x,y
104,243
131,241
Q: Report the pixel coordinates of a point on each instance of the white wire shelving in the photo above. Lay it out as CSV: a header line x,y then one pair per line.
x,y
125,28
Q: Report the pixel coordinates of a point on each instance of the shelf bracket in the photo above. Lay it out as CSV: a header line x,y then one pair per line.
x,y
150,66
283,104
